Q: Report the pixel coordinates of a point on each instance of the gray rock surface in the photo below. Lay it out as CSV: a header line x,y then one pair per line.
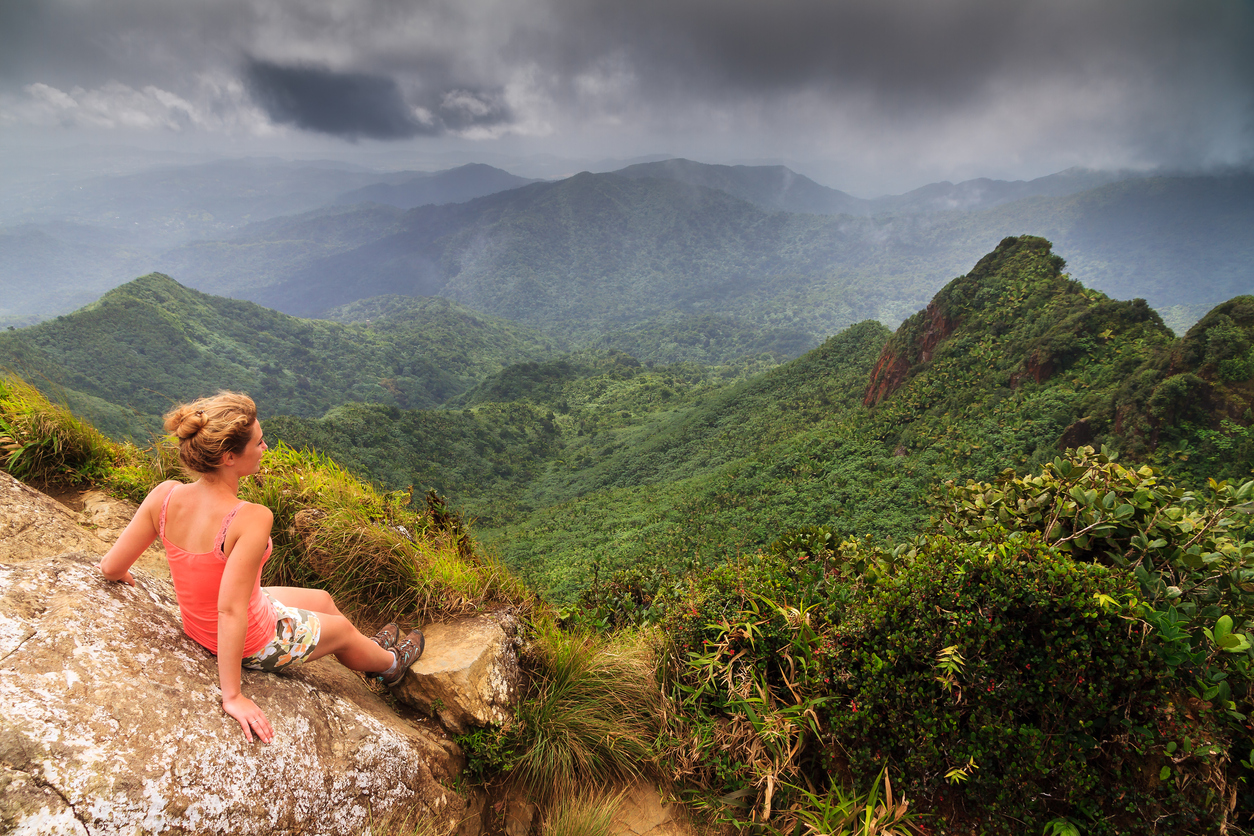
x,y
468,675
33,525
111,723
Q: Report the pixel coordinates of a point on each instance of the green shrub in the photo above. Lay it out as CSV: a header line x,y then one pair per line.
x,y
1069,646
1005,682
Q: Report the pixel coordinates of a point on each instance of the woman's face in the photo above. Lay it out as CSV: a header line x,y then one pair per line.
x,y
250,459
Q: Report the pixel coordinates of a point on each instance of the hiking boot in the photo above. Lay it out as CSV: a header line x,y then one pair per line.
x,y
406,653
388,636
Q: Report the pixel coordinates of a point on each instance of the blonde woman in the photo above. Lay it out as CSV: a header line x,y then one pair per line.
x,y
216,545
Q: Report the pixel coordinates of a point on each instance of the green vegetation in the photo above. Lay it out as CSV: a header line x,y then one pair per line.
x,y
46,444
589,720
152,343
1069,646
591,463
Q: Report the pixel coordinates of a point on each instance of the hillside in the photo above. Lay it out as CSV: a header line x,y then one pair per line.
x,y
65,242
577,470
153,342
456,185
774,188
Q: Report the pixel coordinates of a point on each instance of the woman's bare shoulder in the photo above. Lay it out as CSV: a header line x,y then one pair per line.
x,y
157,495
254,512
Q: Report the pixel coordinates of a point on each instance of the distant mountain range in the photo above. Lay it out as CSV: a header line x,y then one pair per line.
x,y
779,188
623,253
599,253
427,189
63,244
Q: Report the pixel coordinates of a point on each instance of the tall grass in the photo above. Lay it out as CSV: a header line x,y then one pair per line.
x,y
43,443
593,715
378,556
582,815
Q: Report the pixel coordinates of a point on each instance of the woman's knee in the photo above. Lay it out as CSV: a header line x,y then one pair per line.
x,y
325,603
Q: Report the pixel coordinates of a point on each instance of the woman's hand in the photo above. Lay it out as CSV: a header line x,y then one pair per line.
x,y
126,575
251,718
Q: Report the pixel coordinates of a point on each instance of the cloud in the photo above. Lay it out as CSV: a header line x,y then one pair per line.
x,y
116,106
963,84
353,105
343,104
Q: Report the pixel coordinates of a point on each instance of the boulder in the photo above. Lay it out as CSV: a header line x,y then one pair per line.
x,y
468,675
111,722
33,525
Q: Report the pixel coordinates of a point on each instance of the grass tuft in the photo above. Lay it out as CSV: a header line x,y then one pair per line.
x,y
582,815
593,715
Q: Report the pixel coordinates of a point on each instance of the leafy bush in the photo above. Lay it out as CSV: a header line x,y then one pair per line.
x,y
1189,552
1064,647
997,685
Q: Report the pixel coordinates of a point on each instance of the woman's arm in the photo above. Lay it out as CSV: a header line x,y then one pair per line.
x,y
138,536
242,564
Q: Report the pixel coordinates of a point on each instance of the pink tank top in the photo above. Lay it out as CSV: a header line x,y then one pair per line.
x,y
197,577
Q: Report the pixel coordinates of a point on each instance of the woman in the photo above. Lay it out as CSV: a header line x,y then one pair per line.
x,y
216,545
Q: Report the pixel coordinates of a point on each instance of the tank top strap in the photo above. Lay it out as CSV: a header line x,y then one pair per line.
x,y
164,505
219,542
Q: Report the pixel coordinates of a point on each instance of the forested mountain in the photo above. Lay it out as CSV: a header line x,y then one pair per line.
x,y
779,188
63,243
153,342
584,466
772,187
604,253
409,189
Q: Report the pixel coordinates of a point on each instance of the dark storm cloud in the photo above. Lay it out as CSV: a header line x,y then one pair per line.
x,y
356,105
343,104
906,51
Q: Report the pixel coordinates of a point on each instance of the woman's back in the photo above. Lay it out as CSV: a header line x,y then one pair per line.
x,y
193,517
196,570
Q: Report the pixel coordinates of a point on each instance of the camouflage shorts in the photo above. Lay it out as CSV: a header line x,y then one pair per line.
x,y
296,634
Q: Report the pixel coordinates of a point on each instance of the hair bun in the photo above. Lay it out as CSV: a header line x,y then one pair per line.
x,y
186,422
209,428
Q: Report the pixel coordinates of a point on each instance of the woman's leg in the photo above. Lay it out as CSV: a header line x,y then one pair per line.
x,y
314,600
354,650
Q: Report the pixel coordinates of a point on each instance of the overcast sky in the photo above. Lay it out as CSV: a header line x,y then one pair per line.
x,y
870,96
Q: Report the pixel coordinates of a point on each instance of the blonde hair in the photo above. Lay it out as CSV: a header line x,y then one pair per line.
x,y
209,428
